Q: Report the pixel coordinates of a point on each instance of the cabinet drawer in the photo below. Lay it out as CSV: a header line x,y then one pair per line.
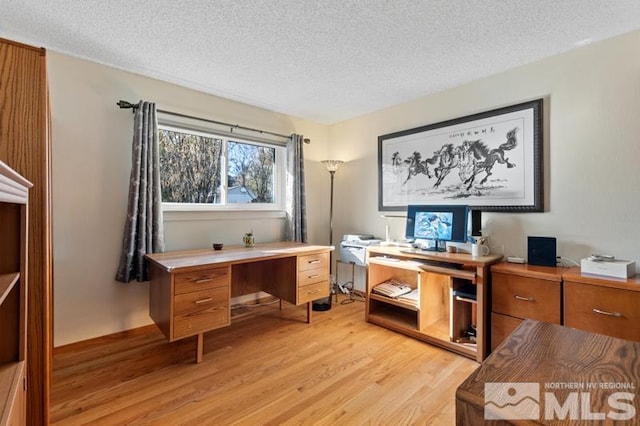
x,y
523,297
186,282
501,327
603,310
200,311
313,261
312,276
313,292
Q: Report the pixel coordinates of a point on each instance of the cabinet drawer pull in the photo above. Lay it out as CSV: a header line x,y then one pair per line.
x,y
526,299
311,262
611,314
313,292
204,280
313,276
208,299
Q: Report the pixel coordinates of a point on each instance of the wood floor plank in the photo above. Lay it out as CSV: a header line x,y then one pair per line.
x,y
269,367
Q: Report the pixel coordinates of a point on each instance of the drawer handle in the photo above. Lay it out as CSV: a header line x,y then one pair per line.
x,y
313,292
313,276
201,301
610,314
204,280
311,262
526,299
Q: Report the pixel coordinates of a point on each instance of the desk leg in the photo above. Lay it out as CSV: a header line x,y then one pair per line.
x,y
309,310
200,348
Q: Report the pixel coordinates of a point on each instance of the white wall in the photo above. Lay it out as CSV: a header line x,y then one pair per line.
x,y
592,198
591,150
91,166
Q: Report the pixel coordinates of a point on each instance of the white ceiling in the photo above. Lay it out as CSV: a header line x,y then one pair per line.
x,y
323,60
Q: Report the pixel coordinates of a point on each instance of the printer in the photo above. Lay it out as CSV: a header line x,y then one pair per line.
x,y
353,247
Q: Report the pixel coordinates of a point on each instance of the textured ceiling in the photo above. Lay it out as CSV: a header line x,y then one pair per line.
x,y
324,60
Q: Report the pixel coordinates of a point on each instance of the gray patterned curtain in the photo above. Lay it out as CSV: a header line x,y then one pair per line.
x,y
296,207
143,232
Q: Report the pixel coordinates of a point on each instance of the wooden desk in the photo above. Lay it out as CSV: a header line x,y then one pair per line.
x,y
438,317
560,361
191,291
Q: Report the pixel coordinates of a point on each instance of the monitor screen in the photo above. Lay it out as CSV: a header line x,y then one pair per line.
x,y
437,223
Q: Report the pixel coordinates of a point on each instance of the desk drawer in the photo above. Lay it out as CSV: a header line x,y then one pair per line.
x,y
313,261
313,292
312,276
524,297
199,311
187,282
603,310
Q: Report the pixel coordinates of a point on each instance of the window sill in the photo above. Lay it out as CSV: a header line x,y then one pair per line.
x,y
205,215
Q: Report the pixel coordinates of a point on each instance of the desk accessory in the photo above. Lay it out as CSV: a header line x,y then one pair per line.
x,y
248,239
541,251
608,267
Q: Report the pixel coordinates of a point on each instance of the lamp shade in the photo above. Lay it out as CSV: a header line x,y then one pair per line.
x,y
332,165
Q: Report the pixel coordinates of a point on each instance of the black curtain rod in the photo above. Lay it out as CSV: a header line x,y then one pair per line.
x,y
128,105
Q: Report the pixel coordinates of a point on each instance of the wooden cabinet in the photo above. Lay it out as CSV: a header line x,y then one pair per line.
x,y
435,314
602,305
313,277
13,295
521,291
25,146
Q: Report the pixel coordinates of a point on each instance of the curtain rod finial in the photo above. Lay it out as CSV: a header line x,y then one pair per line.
x,y
126,105
306,140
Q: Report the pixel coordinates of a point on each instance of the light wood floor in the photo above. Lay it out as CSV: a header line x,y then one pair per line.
x,y
267,368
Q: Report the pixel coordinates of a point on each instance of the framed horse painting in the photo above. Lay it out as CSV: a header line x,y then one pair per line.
x,y
491,161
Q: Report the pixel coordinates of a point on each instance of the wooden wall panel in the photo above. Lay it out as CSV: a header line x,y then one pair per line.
x,y
25,146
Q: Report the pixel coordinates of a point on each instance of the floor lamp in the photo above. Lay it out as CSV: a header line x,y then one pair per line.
x,y
332,166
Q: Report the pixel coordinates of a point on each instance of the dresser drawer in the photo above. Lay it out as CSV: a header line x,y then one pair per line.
x,y
312,276
501,327
186,282
200,311
313,261
313,292
604,310
524,297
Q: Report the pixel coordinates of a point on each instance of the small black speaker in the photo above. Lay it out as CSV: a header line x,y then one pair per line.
x,y
541,251
476,223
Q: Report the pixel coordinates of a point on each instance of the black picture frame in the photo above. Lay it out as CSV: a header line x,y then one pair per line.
x,y
491,161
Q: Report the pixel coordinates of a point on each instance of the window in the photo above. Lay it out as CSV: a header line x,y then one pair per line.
x,y
201,170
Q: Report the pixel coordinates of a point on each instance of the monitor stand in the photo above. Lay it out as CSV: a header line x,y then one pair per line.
x,y
438,246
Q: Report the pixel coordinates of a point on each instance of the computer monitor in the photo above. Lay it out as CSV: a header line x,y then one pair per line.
x,y
436,224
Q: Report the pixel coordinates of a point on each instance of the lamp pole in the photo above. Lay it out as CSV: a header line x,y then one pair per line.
x,y
332,166
333,172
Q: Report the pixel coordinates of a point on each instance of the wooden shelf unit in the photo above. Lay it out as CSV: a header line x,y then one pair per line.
x,y
14,195
439,318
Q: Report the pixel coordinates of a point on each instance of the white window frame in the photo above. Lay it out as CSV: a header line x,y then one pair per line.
x,y
279,184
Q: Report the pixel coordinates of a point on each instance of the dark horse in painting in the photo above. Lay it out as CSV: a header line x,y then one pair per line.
x,y
483,160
